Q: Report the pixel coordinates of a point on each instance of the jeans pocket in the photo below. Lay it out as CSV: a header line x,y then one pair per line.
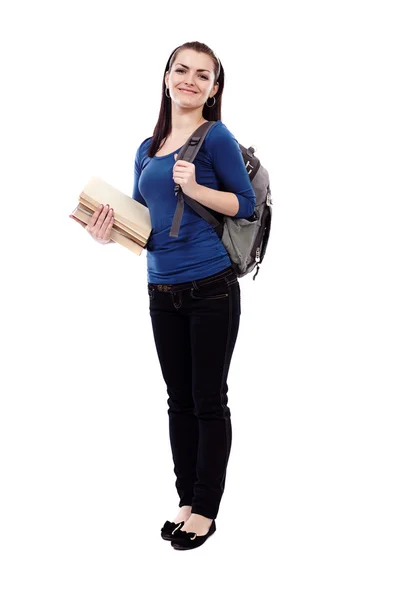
x,y
214,290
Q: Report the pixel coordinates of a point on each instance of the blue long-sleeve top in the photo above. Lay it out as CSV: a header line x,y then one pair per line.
x,y
197,252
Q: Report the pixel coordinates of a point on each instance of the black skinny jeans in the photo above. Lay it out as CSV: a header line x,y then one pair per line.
x,y
195,326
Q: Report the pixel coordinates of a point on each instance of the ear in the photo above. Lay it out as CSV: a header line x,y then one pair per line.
x,y
215,89
166,78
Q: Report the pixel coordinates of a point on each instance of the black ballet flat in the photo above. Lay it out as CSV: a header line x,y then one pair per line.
x,y
186,540
168,528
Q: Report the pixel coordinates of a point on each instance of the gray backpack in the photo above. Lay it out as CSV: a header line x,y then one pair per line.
x,y
244,239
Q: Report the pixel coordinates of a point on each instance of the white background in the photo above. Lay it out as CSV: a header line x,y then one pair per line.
x,y
310,508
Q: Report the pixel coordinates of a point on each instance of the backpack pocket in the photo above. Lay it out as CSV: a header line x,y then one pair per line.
x,y
238,238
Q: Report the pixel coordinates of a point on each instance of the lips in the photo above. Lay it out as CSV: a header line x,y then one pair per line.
x,y
187,91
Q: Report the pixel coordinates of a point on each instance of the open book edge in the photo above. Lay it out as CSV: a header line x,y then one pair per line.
x,y
120,228
116,236
128,213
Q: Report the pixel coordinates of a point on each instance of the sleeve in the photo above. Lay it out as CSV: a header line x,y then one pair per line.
x,y
231,171
136,195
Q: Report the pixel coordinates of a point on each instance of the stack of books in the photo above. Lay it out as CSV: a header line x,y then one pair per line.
x,y
132,225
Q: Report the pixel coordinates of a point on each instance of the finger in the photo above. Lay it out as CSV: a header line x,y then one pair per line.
x,y
100,219
107,224
183,163
93,219
182,170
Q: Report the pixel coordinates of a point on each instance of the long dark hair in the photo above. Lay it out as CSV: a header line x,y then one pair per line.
x,y
213,113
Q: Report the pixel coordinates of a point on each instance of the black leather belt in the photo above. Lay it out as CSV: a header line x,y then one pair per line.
x,y
228,274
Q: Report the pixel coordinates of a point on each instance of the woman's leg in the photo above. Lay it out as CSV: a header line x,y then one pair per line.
x,y
214,326
171,331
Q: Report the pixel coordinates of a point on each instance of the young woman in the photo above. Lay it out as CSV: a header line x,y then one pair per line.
x,y
194,294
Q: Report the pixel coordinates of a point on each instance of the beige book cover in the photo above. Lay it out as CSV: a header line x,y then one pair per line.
x,y
132,225
81,215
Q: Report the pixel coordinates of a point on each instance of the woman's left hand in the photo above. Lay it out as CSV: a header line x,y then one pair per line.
x,y
184,173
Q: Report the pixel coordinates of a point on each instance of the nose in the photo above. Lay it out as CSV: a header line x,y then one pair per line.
x,y
189,79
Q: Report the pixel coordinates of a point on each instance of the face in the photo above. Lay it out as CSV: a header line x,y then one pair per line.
x,y
192,71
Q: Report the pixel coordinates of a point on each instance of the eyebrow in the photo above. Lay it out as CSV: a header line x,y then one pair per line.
x,y
197,69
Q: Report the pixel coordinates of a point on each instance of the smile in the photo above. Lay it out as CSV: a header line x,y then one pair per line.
x,y
187,91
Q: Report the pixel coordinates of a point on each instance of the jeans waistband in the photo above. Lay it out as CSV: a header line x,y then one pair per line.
x,y
228,274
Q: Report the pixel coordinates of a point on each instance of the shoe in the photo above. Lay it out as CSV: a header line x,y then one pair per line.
x,y
186,540
168,528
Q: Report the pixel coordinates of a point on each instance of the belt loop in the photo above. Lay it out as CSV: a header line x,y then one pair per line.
x,y
196,287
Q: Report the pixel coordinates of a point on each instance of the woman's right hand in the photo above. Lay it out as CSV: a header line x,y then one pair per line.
x,y
100,224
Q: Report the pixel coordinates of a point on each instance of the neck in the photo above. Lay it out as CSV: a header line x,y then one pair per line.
x,y
185,121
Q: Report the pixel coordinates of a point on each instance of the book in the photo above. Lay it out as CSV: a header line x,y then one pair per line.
x,y
132,224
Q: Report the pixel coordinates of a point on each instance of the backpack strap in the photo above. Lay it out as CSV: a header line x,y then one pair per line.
x,y
188,153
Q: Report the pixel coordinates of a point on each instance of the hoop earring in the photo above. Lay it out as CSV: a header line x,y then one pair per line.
x,y
210,105
166,92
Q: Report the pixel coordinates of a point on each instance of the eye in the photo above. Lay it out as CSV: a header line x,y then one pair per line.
x,y
183,71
